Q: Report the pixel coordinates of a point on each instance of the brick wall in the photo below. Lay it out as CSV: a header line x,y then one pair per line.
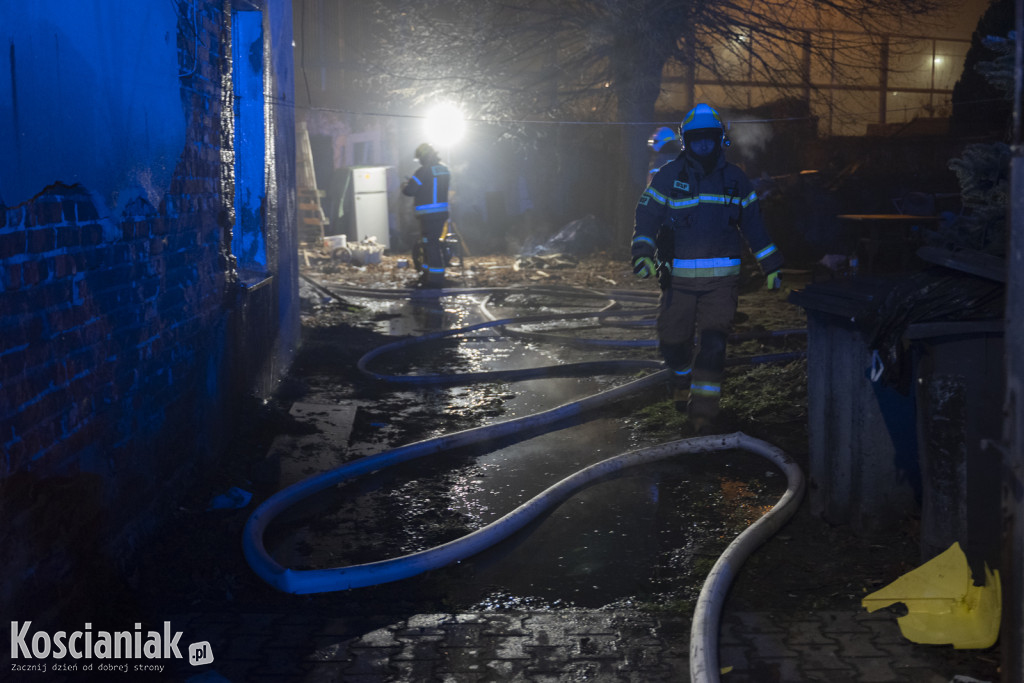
x,y
119,341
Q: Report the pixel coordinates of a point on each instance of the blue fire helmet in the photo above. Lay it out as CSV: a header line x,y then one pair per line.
x,y
701,117
660,138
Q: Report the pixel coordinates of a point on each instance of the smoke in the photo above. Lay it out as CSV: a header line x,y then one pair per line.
x,y
749,138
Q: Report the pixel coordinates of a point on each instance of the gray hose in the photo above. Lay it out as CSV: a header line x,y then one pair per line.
x,y
703,647
704,667
341,578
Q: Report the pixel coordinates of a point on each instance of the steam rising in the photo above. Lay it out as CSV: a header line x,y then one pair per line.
x,y
749,137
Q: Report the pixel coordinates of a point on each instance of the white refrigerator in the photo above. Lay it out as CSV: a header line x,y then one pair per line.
x,y
370,193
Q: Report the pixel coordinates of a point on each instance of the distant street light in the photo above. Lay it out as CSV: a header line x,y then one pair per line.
x,y
445,125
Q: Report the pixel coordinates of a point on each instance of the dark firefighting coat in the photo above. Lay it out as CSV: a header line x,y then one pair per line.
x,y
428,188
695,223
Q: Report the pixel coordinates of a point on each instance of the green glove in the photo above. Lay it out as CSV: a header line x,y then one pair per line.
x,y
644,267
774,280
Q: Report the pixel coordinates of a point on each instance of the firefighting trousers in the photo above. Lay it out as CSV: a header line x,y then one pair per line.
x,y
697,319
431,229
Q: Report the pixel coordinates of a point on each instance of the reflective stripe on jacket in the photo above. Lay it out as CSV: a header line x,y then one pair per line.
x,y
705,267
428,188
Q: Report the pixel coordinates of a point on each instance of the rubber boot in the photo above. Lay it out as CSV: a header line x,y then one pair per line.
x,y
702,425
706,386
432,280
679,389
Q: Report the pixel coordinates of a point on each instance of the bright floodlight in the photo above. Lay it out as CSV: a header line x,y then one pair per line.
x,y
445,125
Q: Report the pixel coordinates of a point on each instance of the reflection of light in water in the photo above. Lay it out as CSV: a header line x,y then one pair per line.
x,y
465,493
458,311
481,397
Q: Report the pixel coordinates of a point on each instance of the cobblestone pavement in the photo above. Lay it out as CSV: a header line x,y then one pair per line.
x,y
572,645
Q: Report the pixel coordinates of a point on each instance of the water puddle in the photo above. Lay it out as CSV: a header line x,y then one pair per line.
x,y
646,537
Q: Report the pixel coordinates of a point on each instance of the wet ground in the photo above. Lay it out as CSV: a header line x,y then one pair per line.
x,y
641,541
643,538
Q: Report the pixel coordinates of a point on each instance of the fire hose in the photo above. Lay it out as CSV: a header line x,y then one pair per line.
x,y
704,631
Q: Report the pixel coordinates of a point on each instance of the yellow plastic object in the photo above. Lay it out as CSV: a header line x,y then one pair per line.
x,y
943,604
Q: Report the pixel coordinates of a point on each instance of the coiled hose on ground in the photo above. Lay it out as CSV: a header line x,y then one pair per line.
x,y
704,632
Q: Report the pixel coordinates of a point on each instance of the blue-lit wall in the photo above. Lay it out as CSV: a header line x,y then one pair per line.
x,y
131,286
53,126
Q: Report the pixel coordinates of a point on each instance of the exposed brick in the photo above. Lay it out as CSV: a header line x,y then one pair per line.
x,y
11,243
92,234
125,321
41,239
110,278
63,319
179,262
17,450
184,241
86,210
96,330
150,287
68,207
45,406
171,302
64,265
12,365
107,299
24,388
52,293
48,213
68,236
42,270
124,378
34,272
82,358
38,439
88,259
12,279
121,253
12,330
16,216
86,433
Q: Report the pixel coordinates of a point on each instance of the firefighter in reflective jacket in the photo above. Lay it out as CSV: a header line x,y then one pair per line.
x,y
690,223
428,188
665,146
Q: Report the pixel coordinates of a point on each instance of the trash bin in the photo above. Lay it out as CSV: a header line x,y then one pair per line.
x,y
888,442
863,452
960,383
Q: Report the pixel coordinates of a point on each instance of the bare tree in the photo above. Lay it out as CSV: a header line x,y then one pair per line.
x,y
603,60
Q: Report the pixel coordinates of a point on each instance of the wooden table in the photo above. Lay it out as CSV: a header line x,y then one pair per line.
x,y
899,232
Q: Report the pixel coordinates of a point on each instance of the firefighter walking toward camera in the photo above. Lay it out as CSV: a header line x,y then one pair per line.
x,y
691,222
428,188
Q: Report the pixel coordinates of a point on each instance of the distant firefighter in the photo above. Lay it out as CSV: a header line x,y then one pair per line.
x,y
428,188
665,146
686,233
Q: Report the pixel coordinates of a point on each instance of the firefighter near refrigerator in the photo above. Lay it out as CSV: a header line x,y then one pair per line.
x,y
691,222
428,188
